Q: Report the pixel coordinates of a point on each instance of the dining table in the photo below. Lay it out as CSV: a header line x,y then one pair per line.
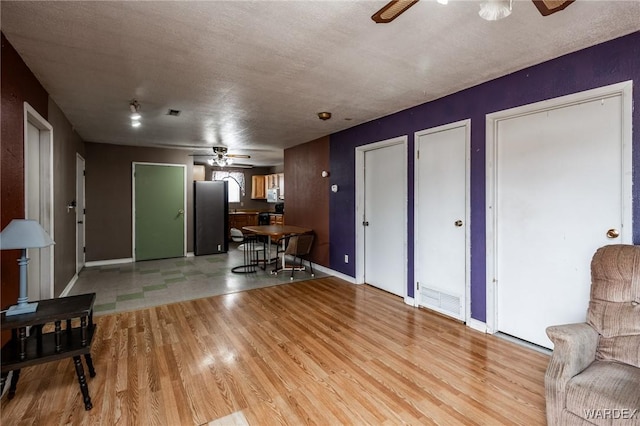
x,y
275,233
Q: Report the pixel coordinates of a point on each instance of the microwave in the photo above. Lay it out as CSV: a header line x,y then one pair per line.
x,y
272,195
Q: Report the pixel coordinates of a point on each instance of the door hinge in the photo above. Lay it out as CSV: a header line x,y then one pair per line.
x,y
84,249
84,173
418,155
418,285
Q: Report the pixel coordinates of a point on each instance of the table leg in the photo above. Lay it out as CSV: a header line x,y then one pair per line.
x,y
83,331
58,335
14,384
83,383
275,267
3,380
89,361
22,339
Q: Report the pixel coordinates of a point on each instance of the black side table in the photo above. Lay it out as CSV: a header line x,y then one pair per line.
x,y
72,340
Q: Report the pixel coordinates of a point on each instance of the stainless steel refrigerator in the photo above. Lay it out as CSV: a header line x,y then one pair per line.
x,y
211,207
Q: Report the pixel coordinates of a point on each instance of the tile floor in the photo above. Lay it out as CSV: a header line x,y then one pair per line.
x,y
131,286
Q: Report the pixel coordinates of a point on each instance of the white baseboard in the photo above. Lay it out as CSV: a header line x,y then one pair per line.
x,y
411,301
108,262
336,274
69,286
477,325
190,254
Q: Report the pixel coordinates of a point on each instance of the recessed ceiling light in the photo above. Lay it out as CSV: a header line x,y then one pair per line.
x,y
324,115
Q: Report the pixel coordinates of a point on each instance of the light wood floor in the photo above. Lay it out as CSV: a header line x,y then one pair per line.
x,y
314,352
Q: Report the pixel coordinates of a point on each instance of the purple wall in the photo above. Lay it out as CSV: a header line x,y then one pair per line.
x,y
608,63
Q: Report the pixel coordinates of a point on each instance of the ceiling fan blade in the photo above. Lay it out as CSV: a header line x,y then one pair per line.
x,y
238,156
547,7
392,10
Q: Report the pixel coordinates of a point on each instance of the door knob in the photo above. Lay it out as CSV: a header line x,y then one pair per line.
x,y
613,233
180,212
458,223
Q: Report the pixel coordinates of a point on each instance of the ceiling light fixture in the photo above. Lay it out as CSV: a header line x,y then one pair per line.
x,y
135,116
493,10
134,106
443,1
324,115
220,161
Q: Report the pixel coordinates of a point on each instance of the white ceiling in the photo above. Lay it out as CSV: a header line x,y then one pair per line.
x,y
252,75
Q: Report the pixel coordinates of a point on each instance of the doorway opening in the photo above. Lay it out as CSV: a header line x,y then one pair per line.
x,y
38,198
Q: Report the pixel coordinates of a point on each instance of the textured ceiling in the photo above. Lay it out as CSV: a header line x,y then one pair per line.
x,y
252,75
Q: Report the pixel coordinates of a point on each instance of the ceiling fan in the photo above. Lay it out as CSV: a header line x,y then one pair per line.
x,y
395,8
221,157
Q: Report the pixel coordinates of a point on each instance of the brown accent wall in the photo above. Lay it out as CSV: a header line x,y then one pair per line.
x,y
18,85
66,145
307,193
108,196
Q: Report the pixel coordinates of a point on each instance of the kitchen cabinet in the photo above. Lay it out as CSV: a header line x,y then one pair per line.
x,y
240,219
198,172
261,183
272,181
258,187
276,219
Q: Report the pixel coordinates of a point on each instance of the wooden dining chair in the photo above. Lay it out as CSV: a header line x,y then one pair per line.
x,y
297,246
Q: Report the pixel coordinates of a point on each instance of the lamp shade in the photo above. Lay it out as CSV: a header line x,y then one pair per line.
x,y
23,234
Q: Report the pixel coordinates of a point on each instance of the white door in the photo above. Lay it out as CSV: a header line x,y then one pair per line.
x,y
560,186
33,207
384,218
441,219
38,196
80,219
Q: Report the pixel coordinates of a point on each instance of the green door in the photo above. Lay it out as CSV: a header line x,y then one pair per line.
x,y
159,211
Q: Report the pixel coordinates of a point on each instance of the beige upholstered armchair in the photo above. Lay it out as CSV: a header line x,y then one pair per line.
x,y
594,373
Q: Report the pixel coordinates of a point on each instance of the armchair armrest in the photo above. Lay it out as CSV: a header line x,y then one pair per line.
x,y
574,350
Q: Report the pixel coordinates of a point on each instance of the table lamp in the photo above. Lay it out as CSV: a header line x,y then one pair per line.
x,y
23,234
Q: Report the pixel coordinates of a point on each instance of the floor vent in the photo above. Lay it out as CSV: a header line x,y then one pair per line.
x,y
441,302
